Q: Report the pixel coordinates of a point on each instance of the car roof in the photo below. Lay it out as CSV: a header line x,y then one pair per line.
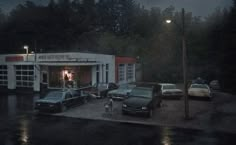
x,y
65,90
163,84
196,84
145,88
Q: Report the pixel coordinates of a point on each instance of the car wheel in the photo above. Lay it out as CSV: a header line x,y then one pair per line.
x,y
103,95
158,104
210,99
63,108
150,113
124,112
85,100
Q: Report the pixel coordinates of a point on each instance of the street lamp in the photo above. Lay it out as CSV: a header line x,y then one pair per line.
x,y
26,47
168,21
184,61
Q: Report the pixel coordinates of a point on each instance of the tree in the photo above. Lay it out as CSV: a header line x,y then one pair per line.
x,y
228,70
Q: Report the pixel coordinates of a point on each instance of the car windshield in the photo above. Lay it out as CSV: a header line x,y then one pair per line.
x,y
53,95
199,86
141,92
169,87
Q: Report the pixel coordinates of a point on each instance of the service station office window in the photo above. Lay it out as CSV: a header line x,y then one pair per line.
x,y
121,72
3,75
97,74
24,76
130,72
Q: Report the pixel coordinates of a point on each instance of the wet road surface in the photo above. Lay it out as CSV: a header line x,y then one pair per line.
x,y
19,125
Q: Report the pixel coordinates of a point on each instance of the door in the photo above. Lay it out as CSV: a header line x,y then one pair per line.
x,y
68,100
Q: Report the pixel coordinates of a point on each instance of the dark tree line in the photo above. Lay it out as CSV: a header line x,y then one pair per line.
x,y
123,27
225,41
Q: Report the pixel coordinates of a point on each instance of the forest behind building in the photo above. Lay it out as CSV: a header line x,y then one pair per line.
x,y
126,28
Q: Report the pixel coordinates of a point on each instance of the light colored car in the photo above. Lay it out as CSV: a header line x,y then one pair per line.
x,y
199,90
122,92
170,91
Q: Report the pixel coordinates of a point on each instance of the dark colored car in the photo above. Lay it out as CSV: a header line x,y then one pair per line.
x,y
142,100
215,85
100,90
58,101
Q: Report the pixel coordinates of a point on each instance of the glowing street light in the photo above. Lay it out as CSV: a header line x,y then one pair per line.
x,y
26,47
168,21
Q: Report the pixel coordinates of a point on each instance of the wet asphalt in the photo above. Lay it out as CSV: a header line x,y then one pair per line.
x,y
21,125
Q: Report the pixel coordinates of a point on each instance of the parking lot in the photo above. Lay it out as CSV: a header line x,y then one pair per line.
x,y
218,114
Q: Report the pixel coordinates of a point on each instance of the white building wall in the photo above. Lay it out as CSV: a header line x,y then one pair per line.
x,y
11,77
112,71
59,59
101,74
134,72
94,79
37,79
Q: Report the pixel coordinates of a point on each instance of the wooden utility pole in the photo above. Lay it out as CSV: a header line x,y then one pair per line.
x,y
186,100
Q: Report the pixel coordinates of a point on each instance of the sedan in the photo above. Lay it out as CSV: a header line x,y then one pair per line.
x,y
100,90
214,85
122,92
199,90
170,91
141,100
58,101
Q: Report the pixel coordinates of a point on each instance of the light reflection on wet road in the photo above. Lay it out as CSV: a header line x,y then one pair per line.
x,y
19,125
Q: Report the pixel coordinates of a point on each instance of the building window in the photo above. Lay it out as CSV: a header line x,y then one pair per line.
x,y
3,75
130,72
24,76
107,73
121,72
97,74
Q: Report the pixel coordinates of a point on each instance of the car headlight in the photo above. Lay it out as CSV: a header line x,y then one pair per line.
x,y
144,108
124,105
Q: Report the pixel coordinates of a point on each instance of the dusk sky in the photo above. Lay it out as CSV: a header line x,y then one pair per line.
x,y
198,7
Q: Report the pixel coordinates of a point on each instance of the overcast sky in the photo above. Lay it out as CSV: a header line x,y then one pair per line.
x,y
198,7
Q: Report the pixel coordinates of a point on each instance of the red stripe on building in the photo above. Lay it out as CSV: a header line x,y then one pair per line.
x,y
14,58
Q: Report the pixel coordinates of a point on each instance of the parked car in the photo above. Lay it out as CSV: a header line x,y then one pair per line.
x,y
58,101
170,91
142,100
100,90
199,90
122,92
215,85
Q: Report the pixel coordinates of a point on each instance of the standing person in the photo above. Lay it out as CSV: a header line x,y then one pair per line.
x,y
66,79
111,104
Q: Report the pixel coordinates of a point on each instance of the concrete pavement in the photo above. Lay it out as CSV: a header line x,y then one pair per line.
x,y
218,114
